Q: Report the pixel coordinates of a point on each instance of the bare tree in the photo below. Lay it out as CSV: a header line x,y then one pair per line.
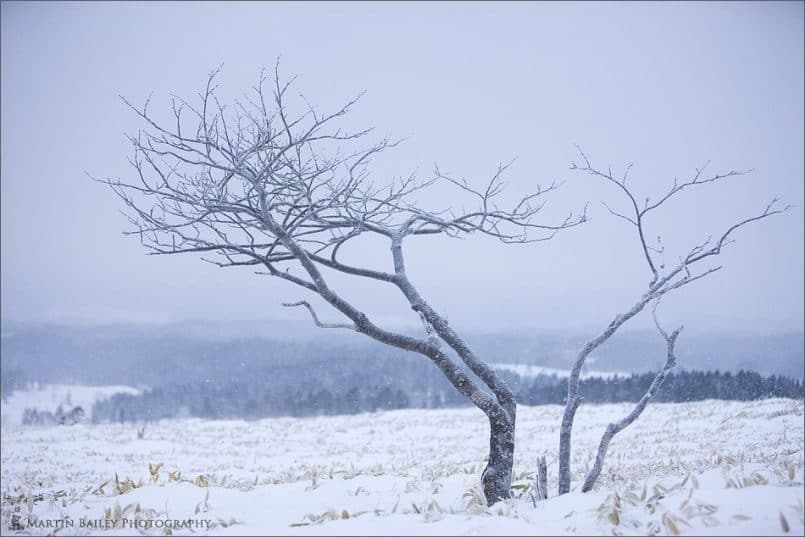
x,y
257,184
663,280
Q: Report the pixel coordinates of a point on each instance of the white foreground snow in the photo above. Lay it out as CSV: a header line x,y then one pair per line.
x,y
710,467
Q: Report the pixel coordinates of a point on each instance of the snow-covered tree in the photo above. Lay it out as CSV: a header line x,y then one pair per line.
x,y
265,183
664,278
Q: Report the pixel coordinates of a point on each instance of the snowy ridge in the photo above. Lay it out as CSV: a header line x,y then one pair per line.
x,y
48,397
530,371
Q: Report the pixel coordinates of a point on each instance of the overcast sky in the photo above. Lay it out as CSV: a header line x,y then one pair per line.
x,y
667,86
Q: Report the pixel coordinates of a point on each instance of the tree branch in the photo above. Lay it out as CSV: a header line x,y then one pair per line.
x,y
616,427
316,321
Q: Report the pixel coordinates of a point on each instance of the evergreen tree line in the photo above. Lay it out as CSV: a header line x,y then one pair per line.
x,y
238,400
680,386
257,399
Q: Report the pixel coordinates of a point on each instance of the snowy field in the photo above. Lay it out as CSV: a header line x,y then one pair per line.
x,y
707,468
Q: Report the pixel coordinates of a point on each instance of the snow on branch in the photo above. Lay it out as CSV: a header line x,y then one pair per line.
x,y
616,427
639,209
315,317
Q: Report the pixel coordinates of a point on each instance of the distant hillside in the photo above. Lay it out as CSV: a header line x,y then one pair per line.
x,y
771,354
164,354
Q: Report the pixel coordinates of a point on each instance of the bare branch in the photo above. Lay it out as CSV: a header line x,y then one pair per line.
x,y
662,281
696,180
316,321
616,427
619,215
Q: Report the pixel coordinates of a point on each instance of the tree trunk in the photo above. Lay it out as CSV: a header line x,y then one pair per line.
x,y
564,443
497,476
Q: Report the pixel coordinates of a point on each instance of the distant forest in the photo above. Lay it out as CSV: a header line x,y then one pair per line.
x,y
255,399
251,378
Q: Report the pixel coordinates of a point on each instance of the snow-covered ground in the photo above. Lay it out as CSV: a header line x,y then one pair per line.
x,y
48,397
711,467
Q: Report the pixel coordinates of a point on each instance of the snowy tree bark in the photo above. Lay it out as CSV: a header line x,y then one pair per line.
x,y
496,477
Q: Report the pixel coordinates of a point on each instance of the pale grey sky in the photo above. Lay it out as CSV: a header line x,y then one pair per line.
x,y
668,86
